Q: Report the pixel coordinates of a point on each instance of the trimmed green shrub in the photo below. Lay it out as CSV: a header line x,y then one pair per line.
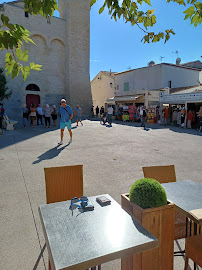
x,y
148,193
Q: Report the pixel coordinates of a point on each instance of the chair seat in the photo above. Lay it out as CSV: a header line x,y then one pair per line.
x,y
193,248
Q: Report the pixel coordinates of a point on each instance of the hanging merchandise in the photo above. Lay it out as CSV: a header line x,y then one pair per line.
x,y
125,117
125,107
151,115
131,113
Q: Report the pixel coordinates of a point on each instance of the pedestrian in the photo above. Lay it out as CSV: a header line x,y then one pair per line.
x,y
2,111
97,110
174,117
199,114
110,114
92,111
47,113
102,110
25,116
143,116
78,113
179,117
157,114
39,114
166,115
54,115
32,115
189,119
66,114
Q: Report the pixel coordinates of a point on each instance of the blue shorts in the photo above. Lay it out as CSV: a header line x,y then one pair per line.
x,y
78,118
65,124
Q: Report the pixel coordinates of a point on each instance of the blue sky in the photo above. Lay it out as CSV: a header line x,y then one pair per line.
x,y
117,45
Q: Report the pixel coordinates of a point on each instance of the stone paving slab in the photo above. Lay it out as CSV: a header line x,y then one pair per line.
x,y
112,160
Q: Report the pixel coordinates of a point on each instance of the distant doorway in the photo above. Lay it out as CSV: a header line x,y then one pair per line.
x,y
32,99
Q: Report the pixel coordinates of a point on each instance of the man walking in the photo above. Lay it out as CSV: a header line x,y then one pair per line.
x,y
78,113
66,115
39,114
110,114
97,111
143,117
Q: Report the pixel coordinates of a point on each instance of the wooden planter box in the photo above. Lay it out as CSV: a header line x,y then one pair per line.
x,y
160,222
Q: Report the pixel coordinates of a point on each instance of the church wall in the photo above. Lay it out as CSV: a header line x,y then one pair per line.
x,y
63,50
49,52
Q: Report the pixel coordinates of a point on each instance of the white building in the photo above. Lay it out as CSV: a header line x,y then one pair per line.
x,y
63,50
132,85
102,88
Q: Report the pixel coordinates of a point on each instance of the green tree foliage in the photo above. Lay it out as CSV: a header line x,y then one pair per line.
x,y
3,87
131,12
12,36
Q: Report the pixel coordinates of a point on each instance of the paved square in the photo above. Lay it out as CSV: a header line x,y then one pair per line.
x,y
112,158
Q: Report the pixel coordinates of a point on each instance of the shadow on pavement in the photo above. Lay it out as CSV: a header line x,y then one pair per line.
x,y
39,258
52,153
158,126
22,134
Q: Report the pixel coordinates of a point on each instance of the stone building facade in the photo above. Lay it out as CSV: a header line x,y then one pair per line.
x,y
62,47
102,88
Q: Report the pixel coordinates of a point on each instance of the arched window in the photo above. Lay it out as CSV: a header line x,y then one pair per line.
x,y
32,87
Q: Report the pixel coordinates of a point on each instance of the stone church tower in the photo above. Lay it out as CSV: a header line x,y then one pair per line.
x,y
76,13
63,50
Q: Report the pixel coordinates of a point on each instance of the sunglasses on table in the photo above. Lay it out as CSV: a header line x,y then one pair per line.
x,y
78,202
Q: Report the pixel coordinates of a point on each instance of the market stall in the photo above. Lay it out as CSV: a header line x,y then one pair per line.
x,y
181,108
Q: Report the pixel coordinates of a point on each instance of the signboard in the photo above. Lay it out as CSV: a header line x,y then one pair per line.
x,y
181,98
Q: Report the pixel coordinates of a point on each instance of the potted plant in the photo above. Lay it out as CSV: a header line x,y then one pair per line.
x,y
147,203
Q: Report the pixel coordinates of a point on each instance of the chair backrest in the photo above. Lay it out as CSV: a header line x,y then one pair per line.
x,y
63,183
163,174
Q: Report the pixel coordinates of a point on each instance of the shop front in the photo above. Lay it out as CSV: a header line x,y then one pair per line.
x,y
181,109
127,108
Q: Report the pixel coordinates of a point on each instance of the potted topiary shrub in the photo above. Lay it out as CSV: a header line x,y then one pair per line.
x,y
147,203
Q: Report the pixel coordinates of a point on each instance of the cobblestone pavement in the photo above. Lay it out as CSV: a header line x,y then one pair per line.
x,y
112,158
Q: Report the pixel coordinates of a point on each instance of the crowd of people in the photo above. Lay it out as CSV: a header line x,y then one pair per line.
x,y
37,113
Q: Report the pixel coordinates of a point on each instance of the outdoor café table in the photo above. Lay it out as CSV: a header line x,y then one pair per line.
x,y
80,240
186,195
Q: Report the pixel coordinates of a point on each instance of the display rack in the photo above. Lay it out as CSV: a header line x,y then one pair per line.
x,y
151,115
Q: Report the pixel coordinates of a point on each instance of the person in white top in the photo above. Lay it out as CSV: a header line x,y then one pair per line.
x,y
39,114
110,114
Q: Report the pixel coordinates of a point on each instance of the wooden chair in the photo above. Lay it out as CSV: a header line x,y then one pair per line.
x,y
193,250
64,183
166,174
193,244
163,174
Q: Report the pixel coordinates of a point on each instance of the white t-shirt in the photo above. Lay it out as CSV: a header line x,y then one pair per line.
x,y
141,111
39,110
110,110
